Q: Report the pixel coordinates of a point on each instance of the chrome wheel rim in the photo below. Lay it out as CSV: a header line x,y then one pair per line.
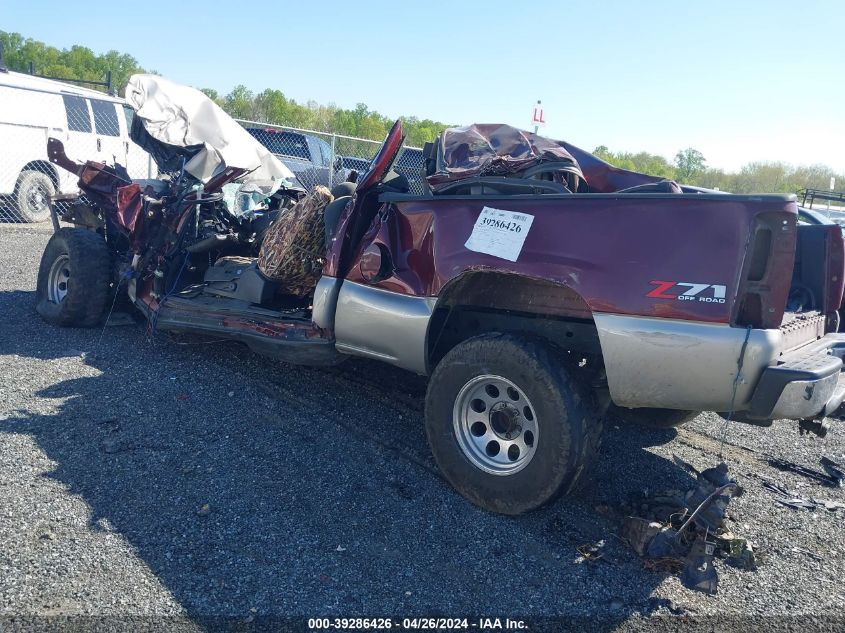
x,y
495,425
37,198
57,279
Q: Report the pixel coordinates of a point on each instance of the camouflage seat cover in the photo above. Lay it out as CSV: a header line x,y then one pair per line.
x,y
293,251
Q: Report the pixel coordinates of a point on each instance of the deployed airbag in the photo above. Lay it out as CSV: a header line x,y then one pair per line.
x,y
187,125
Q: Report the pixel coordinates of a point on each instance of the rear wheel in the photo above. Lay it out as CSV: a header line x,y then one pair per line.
x,y
73,278
32,196
509,427
652,418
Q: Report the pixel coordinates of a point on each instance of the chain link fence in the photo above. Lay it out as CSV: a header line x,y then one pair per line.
x,y
97,128
320,158
94,127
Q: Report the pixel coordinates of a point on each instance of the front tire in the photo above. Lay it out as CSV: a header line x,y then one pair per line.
x,y
32,196
73,278
509,427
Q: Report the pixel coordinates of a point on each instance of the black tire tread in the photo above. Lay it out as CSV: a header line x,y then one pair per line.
x,y
545,363
89,291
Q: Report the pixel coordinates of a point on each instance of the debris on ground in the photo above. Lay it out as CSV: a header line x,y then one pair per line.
x,y
639,533
668,565
739,550
592,552
699,572
684,534
812,555
794,500
816,427
810,473
833,469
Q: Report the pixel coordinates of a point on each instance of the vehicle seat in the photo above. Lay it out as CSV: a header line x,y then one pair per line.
x,y
662,186
331,215
343,189
293,249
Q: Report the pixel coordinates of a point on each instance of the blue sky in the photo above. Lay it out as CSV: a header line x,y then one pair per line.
x,y
727,78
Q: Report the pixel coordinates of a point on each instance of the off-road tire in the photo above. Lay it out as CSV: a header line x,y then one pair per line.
x,y
28,182
652,418
569,430
87,289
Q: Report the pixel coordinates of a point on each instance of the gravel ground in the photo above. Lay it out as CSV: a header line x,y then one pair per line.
x,y
192,478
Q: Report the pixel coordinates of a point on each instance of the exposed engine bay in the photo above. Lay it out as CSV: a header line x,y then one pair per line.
x,y
168,233
200,226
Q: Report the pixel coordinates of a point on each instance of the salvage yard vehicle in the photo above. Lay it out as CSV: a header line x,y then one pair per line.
x,y
91,124
535,284
309,157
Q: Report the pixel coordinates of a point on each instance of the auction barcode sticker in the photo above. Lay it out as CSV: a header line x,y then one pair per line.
x,y
499,233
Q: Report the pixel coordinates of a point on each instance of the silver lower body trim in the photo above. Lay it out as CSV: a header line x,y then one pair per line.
x,y
325,302
384,325
672,364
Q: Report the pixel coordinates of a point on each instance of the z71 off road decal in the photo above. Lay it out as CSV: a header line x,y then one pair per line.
x,y
500,233
688,291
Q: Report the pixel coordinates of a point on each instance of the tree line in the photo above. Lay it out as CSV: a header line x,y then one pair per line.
x,y
690,167
272,106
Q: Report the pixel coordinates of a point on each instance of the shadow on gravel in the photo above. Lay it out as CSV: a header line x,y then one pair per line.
x,y
245,483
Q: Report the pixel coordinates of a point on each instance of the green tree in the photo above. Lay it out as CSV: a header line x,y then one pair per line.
x,y
77,62
689,163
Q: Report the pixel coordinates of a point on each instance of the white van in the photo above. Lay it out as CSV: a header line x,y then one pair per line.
x,y
92,125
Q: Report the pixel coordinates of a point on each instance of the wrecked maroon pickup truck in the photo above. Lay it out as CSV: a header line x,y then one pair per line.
x,y
535,284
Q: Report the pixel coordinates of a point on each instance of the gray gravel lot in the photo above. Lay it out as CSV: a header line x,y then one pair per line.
x,y
188,477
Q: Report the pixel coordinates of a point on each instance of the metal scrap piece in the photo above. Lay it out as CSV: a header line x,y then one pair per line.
x,y
775,487
592,552
709,506
699,572
827,504
810,473
796,503
666,544
834,469
639,533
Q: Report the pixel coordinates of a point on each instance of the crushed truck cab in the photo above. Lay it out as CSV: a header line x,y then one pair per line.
x,y
538,287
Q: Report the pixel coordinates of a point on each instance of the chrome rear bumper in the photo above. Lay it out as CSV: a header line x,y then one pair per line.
x,y
804,383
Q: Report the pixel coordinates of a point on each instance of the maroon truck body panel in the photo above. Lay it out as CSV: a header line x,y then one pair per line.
x,y
609,249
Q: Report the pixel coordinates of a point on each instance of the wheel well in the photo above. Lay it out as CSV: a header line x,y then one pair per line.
x,y
45,168
479,302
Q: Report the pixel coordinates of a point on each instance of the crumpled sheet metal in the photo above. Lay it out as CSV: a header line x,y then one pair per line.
x,y
699,572
493,149
692,538
640,533
182,116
